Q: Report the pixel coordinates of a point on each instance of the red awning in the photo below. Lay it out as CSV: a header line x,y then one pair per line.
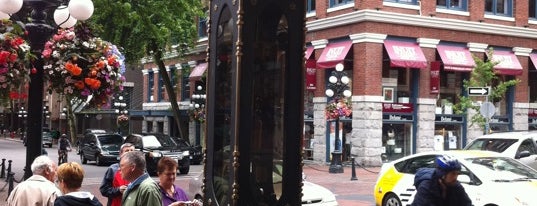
x,y
533,57
197,72
405,54
508,63
333,54
456,58
309,51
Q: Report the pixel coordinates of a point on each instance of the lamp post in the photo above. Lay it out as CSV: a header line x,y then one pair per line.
x,y
121,109
197,104
38,33
23,114
337,89
46,116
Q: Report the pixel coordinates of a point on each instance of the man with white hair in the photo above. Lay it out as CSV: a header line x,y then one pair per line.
x,y
39,189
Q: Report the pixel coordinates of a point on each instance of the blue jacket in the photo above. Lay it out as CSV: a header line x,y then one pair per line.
x,y
106,187
429,191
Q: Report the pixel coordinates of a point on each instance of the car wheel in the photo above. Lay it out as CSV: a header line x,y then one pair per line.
x,y
83,159
391,200
98,160
184,170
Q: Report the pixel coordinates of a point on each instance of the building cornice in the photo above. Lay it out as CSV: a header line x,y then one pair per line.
x,y
419,21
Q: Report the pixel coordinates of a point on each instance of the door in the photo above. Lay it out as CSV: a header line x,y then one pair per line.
x,y
529,146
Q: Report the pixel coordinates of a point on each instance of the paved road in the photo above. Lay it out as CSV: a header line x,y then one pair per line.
x,y
348,193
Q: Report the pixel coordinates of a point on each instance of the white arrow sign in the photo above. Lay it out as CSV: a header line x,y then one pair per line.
x,y
478,91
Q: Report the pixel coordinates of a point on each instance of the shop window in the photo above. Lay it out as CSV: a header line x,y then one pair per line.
x,y
499,7
452,4
448,137
202,28
309,128
414,2
531,9
336,3
310,6
532,85
149,127
396,140
150,83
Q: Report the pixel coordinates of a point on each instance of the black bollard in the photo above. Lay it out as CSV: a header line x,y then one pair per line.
x,y
3,172
353,170
10,178
8,168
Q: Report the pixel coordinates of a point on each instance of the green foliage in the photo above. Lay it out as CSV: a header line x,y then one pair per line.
x,y
141,26
483,76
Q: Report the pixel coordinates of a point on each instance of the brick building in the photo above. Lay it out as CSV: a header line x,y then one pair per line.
x,y
406,60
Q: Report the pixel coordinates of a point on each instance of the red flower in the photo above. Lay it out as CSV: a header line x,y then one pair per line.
x,y
13,57
3,56
73,69
15,43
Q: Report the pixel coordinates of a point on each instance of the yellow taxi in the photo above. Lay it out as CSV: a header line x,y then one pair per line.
x,y
489,178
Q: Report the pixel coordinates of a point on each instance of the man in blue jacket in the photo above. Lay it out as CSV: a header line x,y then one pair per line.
x,y
113,185
439,186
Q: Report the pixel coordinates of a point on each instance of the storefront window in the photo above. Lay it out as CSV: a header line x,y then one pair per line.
x,y
448,136
308,139
397,140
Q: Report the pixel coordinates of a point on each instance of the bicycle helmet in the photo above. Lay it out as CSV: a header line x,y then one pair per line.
x,y
447,163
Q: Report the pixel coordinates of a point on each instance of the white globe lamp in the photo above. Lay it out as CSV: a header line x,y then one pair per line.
x,y
329,93
339,67
62,17
345,80
81,9
347,93
332,79
10,6
3,16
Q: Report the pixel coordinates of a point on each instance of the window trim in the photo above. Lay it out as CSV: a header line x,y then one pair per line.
x,y
463,8
150,85
333,4
509,9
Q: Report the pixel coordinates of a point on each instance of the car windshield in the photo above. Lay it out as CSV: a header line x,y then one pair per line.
x,y
47,135
110,139
166,141
181,142
490,144
501,169
151,142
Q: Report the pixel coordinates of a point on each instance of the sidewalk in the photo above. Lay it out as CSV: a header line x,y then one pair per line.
x,y
348,192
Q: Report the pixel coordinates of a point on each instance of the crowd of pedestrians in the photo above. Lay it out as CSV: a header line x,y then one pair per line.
x,y
124,184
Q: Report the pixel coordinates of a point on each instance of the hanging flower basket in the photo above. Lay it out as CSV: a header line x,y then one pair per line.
x,y
122,121
197,114
83,66
337,109
15,61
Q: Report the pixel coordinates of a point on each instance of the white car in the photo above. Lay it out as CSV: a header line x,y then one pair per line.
x,y
518,145
313,194
489,178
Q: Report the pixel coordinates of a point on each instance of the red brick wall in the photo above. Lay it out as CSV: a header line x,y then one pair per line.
x,y
425,74
367,67
521,94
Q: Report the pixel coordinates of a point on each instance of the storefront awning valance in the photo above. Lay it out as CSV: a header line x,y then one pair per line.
x,y
456,58
197,72
405,54
333,54
508,63
309,51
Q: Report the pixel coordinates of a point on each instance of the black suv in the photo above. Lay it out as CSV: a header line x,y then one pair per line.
x,y
155,146
196,155
100,147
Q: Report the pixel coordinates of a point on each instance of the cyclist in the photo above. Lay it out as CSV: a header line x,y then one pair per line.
x,y
64,146
439,186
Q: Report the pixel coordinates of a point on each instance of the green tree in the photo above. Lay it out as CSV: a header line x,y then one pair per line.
x,y
483,76
150,29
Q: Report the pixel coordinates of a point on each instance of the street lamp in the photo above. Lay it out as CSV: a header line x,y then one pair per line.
x,y
38,33
120,106
23,114
338,89
197,100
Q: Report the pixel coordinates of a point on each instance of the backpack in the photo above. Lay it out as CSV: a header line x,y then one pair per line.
x,y
63,144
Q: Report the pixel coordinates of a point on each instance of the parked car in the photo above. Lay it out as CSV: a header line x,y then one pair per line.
x,y
155,146
489,178
313,194
100,147
47,139
519,145
196,154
